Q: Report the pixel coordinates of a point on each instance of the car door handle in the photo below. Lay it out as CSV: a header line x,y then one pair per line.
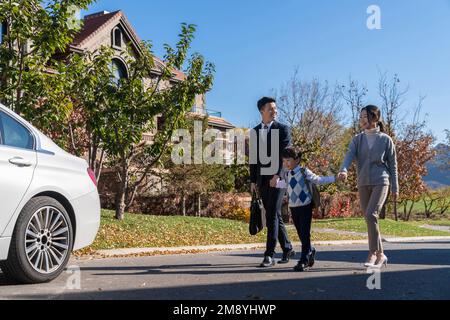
x,y
20,162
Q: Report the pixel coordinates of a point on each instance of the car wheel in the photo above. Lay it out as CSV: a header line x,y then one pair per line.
x,y
41,244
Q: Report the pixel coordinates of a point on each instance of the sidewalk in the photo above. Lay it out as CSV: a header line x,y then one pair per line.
x,y
240,247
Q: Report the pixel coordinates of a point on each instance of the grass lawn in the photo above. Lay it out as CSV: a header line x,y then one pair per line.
x,y
139,231
440,222
388,227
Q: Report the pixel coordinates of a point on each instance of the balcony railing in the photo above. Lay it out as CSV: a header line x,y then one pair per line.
x,y
209,112
214,113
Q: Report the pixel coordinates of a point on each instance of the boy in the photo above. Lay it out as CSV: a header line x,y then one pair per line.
x,y
300,202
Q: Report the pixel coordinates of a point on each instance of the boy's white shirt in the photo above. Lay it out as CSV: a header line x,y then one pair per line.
x,y
282,181
310,176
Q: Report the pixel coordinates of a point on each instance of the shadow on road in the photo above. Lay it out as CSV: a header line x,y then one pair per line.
x,y
4,281
403,285
219,269
431,257
438,257
434,278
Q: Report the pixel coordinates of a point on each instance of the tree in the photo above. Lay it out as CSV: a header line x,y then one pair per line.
x,y
443,203
414,151
241,175
392,98
312,110
196,180
354,96
132,107
91,96
31,82
437,201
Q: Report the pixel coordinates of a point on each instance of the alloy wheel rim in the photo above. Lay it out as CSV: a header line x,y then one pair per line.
x,y
47,240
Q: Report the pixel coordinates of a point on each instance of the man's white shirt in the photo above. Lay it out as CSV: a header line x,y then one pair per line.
x,y
264,132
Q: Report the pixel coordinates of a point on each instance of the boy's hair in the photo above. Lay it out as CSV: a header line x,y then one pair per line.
x,y
265,100
291,152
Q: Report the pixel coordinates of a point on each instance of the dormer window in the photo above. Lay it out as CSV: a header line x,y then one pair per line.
x,y
117,38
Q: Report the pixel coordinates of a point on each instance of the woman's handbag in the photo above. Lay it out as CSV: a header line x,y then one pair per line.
x,y
257,215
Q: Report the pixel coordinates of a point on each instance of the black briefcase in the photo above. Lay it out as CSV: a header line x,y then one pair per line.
x,y
257,215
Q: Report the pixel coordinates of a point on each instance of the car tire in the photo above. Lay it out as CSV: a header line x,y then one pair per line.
x,y
49,256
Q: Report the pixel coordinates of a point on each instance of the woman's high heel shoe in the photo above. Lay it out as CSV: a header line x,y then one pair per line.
x,y
381,261
371,260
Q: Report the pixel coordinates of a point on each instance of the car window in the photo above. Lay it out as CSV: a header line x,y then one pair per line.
x,y
14,134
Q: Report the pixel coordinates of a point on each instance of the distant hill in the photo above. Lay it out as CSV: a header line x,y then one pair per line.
x,y
438,170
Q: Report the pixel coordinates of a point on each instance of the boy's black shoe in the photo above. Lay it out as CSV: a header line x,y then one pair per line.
x,y
312,258
267,262
287,256
301,266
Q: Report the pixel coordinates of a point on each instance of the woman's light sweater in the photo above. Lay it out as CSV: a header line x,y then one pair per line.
x,y
376,159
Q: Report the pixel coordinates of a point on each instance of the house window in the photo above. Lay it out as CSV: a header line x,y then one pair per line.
x,y
117,38
119,70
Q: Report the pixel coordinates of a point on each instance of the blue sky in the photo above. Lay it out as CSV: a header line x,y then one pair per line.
x,y
257,44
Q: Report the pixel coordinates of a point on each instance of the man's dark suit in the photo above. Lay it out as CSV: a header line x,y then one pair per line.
x,y
272,197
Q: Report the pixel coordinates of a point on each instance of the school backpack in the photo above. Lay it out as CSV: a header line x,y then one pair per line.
x,y
313,190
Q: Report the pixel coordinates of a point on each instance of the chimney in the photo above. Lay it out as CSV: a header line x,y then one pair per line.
x,y
96,14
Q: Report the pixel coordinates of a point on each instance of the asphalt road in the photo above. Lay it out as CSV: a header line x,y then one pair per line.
x,y
419,270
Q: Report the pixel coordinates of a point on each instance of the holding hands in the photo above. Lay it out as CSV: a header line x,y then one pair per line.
x,y
274,181
342,176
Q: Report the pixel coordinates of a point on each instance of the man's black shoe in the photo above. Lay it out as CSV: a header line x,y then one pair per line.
x,y
312,258
301,267
287,256
267,262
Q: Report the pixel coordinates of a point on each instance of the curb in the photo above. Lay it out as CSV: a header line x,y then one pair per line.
x,y
412,239
177,250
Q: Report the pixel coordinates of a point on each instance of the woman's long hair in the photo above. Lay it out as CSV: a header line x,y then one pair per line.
x,y
374,114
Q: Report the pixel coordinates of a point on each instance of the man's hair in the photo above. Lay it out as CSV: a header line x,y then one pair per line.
x,y
291,152
262,102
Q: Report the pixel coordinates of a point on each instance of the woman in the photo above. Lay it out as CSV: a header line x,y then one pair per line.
x,y
374,152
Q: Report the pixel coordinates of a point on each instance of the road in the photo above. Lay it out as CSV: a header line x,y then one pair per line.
x,y
419,270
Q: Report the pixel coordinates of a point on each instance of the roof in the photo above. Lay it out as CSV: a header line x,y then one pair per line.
x,y
213,121
94,24
220,122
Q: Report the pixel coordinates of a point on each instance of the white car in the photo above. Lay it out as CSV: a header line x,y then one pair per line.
x,y
49,203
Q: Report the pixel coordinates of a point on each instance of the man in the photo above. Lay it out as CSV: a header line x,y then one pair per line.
x,y
264,180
